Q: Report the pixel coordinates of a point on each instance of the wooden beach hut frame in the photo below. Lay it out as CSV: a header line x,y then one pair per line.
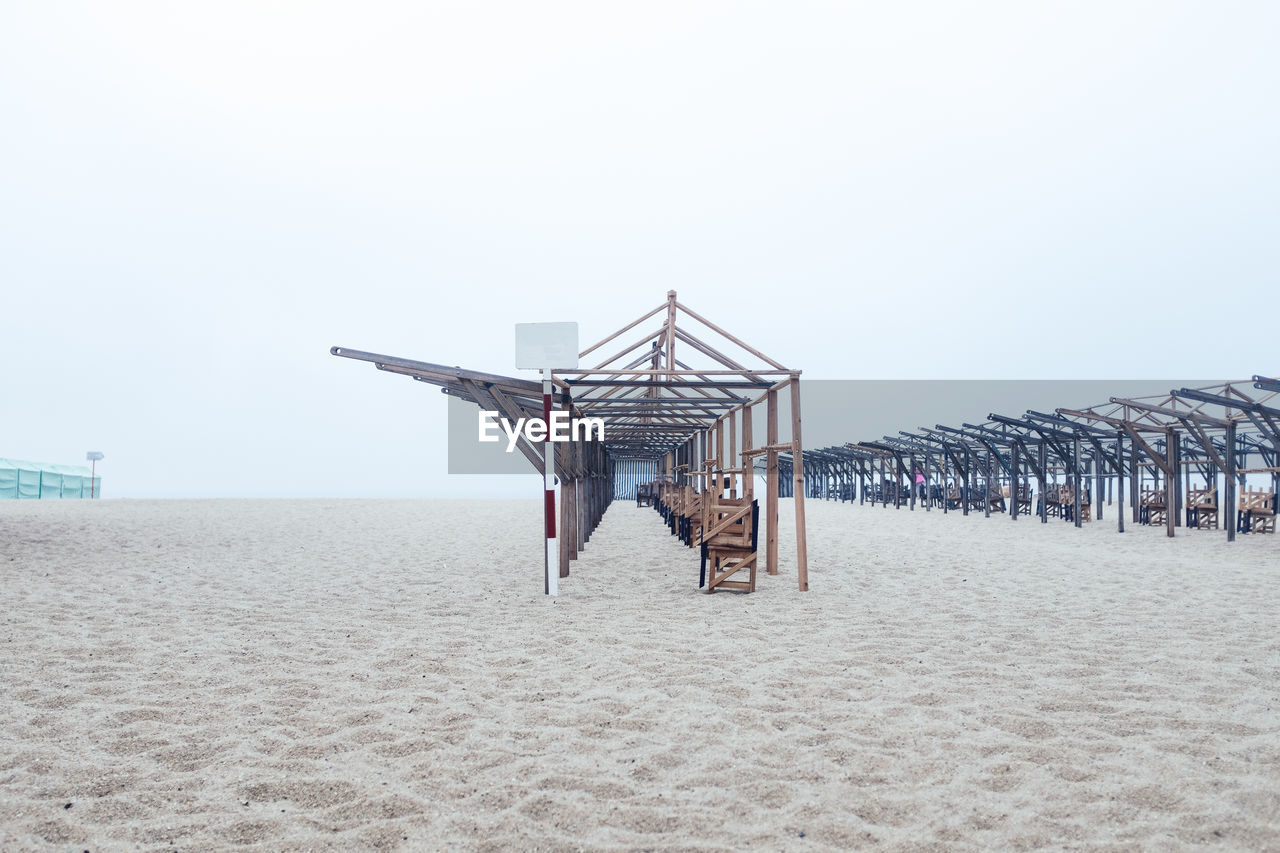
x,y
655,405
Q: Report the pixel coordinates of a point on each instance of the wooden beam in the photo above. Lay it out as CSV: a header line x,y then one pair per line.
x,y
600,368
802,551
710,325
486,399
621,331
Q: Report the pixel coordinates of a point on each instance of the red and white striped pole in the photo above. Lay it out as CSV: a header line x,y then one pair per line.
x,y
551,487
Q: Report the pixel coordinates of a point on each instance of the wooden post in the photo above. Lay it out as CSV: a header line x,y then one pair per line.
x,y
732,424
671,333
1042,482
928,496
911,482
580,514
943,465
771,484
1134,479
1175,495
802,555
1099,485
1013,481
1227,509
1186,473
564,536
1077,490
570,520
748,462
1170,482
991,474
720,466
1120,480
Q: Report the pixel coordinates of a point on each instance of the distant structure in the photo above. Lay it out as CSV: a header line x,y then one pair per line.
x,y
1200,458
42,480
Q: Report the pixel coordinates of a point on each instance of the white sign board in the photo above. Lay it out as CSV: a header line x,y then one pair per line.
x,y
546,346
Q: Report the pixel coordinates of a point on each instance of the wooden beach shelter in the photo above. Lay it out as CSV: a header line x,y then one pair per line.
x,y
683,400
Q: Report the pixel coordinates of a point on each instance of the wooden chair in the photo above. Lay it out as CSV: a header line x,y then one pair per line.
x,y
1024,499
644,494
729,542
995,497
1257,511
691,517
1152,507
670,504
1202,508
1053,501
1067,504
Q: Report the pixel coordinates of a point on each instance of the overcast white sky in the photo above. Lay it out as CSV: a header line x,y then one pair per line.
x,y
198,200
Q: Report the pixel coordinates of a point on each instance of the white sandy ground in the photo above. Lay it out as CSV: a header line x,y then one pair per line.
x,y
294,675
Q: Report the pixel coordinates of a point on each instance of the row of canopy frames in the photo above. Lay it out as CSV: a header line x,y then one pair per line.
x,y
1173,452
685,401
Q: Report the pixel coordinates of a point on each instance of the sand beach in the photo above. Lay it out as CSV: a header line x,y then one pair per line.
x,y
347,674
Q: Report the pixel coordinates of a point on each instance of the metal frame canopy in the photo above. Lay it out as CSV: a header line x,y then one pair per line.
x,y
1208,432
676,410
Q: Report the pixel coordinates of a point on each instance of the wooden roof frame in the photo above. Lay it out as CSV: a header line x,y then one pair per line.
x,y
654,404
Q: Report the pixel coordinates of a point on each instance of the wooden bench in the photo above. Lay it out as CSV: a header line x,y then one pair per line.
x,y
1202,508
1257,511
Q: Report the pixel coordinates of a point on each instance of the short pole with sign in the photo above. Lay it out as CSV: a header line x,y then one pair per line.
x,y
547,347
